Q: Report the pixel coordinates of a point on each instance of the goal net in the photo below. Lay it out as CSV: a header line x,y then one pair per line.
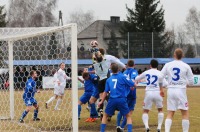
x,y
41,49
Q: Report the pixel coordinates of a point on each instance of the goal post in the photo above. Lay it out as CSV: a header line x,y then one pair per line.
x,y
41,47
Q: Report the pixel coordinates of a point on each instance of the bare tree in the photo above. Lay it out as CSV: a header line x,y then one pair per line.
x,y
83,19
193,27
181,36
31,13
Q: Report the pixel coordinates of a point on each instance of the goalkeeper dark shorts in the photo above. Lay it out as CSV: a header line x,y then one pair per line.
x,y
102,85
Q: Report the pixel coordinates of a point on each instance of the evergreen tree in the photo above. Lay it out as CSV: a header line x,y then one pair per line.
x,y
2,17
2,24
190,52
113,45
141,22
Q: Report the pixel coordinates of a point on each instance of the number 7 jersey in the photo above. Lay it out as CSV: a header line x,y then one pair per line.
x,y
179,74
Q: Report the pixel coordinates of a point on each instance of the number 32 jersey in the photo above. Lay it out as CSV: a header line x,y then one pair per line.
x,y
179,74
153,78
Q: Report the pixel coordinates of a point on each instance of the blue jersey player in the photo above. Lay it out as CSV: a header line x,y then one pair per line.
x,y
117,85
130,73
91,91
29,99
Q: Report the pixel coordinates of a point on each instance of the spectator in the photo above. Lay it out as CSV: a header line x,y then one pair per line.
x,y
197,71
192,70
139,71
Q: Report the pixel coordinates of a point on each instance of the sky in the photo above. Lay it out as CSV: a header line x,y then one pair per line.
x,y
175,10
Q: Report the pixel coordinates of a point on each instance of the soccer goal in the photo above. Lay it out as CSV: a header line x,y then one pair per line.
x,y
41,49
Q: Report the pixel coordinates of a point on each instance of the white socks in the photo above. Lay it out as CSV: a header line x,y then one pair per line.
x,y
168,123
185,125
145,119
160,120
50,100
58,103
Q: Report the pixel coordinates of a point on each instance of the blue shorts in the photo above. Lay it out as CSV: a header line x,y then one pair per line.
x,y
95,93
30,101
131,104
117,104
86,97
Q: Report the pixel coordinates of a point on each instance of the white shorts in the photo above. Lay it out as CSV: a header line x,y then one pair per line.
x,y
59,90
177,99
152,97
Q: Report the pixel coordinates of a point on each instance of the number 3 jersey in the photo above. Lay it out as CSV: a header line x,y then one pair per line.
x,y
179,74
153,78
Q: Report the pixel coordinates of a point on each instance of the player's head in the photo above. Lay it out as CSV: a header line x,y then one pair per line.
x,y
102,51
154,63
114,68
178,54
98,57
62,65
85,75
33,74
130,63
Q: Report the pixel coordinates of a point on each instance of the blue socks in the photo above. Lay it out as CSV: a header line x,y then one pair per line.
x,y
93,111
129,127
35,114
24,115
124,122
119,117
79,111
103,127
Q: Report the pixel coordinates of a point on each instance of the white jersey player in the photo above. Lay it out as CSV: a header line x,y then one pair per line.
x,y
101,67
112,59
60,79
154,93
179,76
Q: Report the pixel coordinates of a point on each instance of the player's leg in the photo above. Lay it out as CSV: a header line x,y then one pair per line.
x,y
172,105
28,108
129,122
79,109
183,106
168,121
119,118
109,111
93,111
59,101
103,122
185,120
50,100
159,105
131,105
83,100
148,101
160,119
101,87
35,116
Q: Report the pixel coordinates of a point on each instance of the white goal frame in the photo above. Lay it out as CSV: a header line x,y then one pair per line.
x,y
11,38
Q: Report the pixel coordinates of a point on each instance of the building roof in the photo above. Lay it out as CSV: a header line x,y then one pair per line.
x,y
101,27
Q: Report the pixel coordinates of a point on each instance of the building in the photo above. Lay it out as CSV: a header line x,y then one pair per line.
x,y
100,30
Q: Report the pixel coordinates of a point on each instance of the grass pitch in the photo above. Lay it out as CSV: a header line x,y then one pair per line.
x,y
61,120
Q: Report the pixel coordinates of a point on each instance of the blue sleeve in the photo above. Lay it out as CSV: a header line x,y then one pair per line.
x,y
94,78
134,74
107,89
128,81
